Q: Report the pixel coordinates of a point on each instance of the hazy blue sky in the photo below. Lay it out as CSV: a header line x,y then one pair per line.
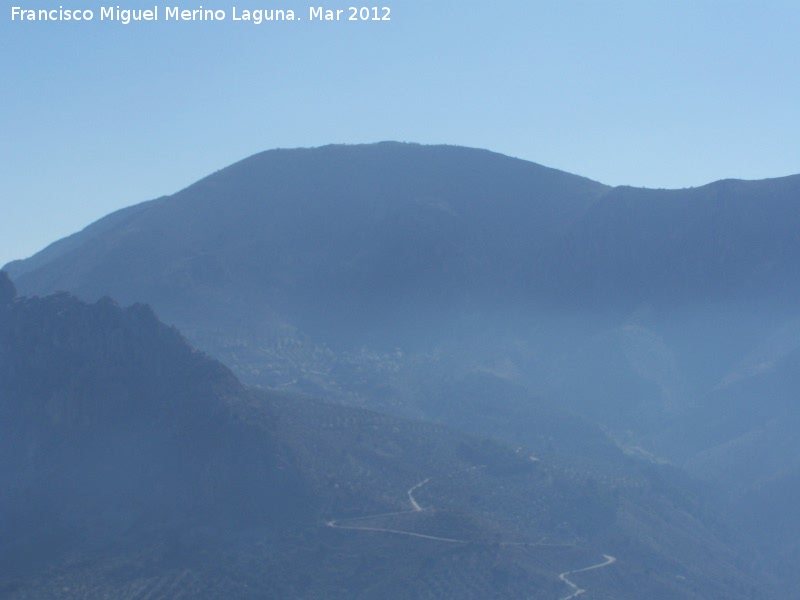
x,y
100,115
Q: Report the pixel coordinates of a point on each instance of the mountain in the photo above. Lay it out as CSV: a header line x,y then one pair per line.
x,y
286,264
490,294
384,231
115,431
728,241
133,466
346,271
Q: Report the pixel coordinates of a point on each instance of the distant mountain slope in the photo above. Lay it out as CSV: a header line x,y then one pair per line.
x,y
387,244
728,241
132,466
364,273
388,222
308,268
488,293
363,225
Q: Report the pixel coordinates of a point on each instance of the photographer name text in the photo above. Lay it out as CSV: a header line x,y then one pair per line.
x,y
128,16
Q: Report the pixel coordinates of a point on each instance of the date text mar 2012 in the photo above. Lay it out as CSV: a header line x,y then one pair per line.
x,y
352,13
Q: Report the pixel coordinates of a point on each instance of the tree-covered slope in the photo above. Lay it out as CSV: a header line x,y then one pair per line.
x,y
132,465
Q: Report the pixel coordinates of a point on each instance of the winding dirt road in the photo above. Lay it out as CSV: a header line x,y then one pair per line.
x,y
414,504
417,508
576,591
